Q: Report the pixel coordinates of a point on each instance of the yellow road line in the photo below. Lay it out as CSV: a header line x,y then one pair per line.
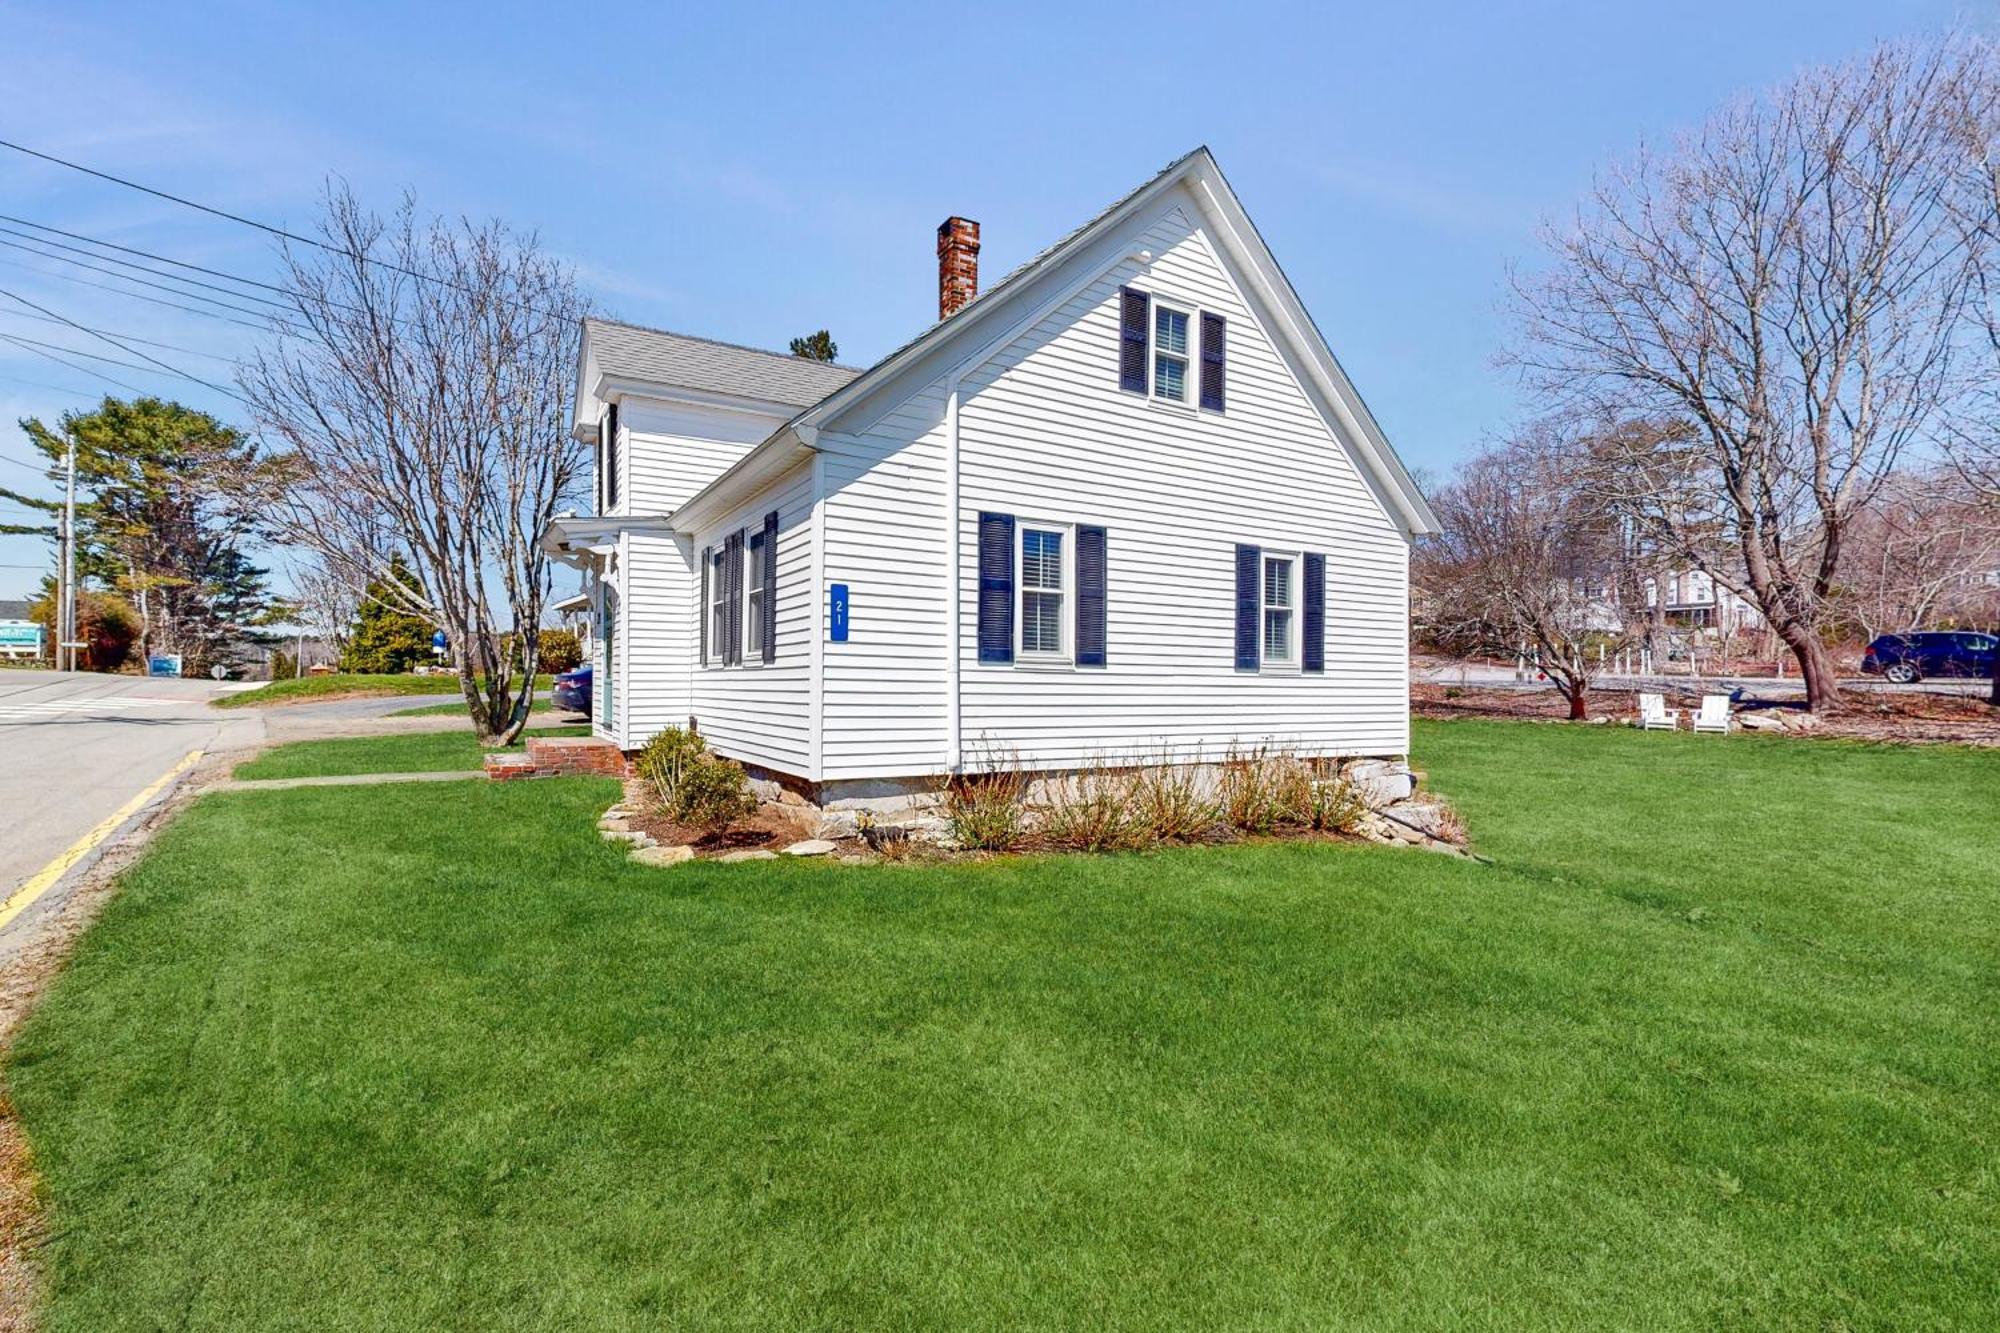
x,y
45,878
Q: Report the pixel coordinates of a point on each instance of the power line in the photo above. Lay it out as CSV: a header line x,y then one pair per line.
x,y
105,337
22,462
127,263
128,337
171,305
130,250
33,343
86,370
46,388
280,232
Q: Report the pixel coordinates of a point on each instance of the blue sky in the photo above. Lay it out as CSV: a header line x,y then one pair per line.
x,y
752,172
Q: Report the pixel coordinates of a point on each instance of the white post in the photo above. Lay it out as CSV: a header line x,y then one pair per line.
x,y
66,611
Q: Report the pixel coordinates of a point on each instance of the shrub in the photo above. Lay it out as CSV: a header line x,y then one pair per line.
x,y
701,790
1252,790
1329,804
1170,802
985,808
561,651
1091,810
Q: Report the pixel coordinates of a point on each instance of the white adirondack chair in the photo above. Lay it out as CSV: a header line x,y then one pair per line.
x,y
1714,714
1654,715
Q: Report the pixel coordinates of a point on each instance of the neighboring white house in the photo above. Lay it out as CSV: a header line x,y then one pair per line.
x,y
1123,503
1694,599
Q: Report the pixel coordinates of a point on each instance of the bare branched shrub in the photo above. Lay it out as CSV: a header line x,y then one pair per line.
x,y
1091,810
693,787
1252,790
986,808
1171,802
1322,802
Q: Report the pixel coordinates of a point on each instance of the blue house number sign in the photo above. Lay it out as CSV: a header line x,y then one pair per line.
x,y
837,612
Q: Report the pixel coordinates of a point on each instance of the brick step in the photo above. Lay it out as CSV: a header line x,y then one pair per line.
x,y
559,756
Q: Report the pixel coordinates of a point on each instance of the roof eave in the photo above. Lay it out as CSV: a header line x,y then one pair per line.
x,y
782,451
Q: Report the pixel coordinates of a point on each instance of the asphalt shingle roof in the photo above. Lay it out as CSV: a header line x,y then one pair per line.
x,y
630,351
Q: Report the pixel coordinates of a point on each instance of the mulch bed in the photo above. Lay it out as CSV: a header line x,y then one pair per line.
x,y
1910,718
771,826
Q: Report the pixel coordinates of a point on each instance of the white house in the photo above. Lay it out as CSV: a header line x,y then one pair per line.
x,y
1125,502
1696,600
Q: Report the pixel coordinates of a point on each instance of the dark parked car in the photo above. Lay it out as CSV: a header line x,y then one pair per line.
x,y
573,691
1910,657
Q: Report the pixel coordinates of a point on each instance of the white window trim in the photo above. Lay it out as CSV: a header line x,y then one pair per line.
x,y
1290,664
753,582
715,562
1066,619
1190,381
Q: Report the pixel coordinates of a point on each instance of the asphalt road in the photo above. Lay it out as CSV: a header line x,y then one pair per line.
x,y
75,749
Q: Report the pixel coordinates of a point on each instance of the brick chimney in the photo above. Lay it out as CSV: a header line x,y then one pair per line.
x,y
958,264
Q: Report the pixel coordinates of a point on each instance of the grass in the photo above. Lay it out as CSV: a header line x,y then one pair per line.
x,y
417,752
344,685
1711,1044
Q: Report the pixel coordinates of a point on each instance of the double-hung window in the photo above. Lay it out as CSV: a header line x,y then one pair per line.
x,y
1280,602
1044,588
718,606
753,598
1170,353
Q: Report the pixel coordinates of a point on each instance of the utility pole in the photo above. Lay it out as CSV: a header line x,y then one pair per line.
x,y
66,603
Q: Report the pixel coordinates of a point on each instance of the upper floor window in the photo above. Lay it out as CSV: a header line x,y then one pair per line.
x,y
1170,354
1157,355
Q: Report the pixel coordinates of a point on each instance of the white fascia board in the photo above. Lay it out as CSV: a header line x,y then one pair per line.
x,y
767,462
1235,231
611,389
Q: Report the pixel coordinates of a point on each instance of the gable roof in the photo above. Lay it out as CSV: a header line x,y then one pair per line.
x,y
11,609
1327,383
657,356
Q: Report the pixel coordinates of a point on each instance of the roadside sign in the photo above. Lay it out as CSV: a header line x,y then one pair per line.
x,y
164,664
20,638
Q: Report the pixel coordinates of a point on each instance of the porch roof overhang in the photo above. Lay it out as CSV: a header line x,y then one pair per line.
x,y
582,541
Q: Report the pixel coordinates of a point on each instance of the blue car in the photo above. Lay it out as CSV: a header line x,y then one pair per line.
x,y
1907,658
572,692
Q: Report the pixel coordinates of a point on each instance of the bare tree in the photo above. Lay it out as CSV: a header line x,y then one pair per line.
x,y
326,602
1784,296
1925,552
1529,561
425,412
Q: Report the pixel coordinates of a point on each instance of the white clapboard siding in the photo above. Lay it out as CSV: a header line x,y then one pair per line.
x,y
761,712
655,635
668,451
1045,432
887,689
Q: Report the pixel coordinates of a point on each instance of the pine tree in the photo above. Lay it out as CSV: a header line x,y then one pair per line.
x,y
816,347
386,641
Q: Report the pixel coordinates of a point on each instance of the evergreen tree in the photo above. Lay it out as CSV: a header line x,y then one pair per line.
x,y
816,347
386,641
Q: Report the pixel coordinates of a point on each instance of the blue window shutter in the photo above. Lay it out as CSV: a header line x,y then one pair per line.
x,y
1249,564
1214,351
1091,577
996,587
611,457
770,576
702,612
732,583
1312,645
1134,308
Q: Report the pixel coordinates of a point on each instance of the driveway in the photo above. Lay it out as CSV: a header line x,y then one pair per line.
x,y
77,749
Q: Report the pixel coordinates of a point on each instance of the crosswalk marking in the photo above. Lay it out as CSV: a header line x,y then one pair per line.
x,y
33,710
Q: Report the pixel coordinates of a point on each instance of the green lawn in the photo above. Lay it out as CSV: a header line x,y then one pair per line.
x,y
305,689
416,752
1711,1044
458,706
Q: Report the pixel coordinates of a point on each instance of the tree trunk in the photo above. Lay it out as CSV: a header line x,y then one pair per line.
x,y
1816,667
1577,711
